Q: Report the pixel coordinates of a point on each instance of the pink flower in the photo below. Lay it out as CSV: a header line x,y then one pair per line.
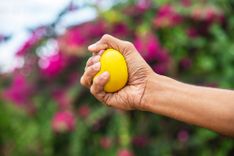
x,y
144,4
140,141
73,78
74,37
26,46
153,47
63,122
62,99
208,14
19,91
33,39
161,68
185,63
149,47
53,65
120,29
84,111
125,152
167,17
163,56
96,29
186,3
213,14
183,136
105,142
79,36
192,32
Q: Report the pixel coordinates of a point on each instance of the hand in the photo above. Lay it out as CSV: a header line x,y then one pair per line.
x,y
146,90
129,97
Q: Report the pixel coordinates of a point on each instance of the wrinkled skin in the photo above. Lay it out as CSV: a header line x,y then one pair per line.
x,y
139,71
158,94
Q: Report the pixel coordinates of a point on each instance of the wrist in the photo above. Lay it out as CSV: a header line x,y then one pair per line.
x,y
158,91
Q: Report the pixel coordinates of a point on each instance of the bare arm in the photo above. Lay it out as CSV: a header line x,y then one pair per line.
x,y
207,107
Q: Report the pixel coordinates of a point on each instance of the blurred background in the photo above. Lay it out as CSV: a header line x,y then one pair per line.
x,y
44,111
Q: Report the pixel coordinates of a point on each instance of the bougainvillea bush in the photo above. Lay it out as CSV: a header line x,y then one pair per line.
x,y
45,111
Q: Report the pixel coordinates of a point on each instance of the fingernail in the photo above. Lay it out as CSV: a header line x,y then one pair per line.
x,y
100,52
105,74
96,58
96,66
92,46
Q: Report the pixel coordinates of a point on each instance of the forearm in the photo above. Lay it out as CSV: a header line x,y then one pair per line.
x,y
202,106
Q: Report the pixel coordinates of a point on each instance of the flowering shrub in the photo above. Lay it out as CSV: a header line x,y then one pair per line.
x,y
45,110
63,122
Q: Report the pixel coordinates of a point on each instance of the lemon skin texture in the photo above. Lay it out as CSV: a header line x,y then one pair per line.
x,y
113,62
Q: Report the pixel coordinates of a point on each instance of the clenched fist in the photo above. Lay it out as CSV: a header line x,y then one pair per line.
x,y
129,97
146,90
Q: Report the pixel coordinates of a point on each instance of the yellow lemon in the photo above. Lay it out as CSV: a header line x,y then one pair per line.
x,y
113,62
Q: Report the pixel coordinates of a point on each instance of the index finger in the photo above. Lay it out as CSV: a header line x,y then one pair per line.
x,y
97,47
107,41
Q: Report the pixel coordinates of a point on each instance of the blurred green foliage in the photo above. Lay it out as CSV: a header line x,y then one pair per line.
x,y
199,45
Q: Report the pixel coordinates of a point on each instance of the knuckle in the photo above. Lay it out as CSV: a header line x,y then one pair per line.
x,y
106,101
106,37
92,90
94,68
82,81
85,81
129,44
90,71
89,61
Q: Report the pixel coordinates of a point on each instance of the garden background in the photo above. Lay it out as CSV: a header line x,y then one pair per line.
x,y
45,111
